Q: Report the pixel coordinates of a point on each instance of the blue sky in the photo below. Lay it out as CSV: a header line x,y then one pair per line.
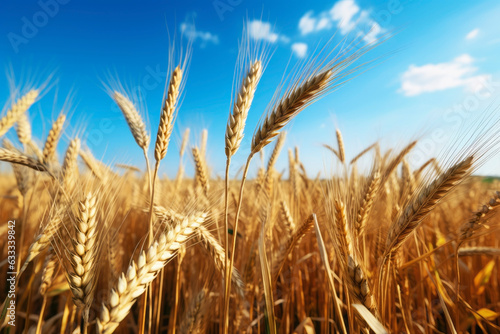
x,y
437,72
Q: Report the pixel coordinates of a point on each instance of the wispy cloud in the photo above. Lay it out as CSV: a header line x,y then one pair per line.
x,y
346,15
472,34
205,37
459,72
260,30
300,49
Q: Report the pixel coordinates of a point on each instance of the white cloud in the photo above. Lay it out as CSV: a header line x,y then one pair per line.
x,y
300,49
436,77
343,12
346,15
260,30
190,31
472,34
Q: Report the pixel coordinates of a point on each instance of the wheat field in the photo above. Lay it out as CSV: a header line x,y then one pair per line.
x,y
110,248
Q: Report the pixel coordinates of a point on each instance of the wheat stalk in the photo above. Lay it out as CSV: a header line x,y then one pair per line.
x,y
142,272
17,109
237,119
53,138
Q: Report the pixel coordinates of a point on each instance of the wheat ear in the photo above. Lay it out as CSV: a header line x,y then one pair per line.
x,y
50,146
134,120
168,115
83,278
288,246
340,142
288,107
237,119
17,109
287,218
342,228
422,204
217,253
201,176
396,161
20,159
70,166
468,229
41,242
358,284
49,269
367,204
93,165
142,272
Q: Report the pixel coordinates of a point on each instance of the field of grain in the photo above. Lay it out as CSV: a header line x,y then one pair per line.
x,y
99,248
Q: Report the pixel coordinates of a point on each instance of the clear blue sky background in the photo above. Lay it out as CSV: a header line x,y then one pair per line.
x,y
440,55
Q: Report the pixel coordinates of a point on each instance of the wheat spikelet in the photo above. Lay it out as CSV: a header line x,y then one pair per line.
x,y
288,107
423,203
49,269
367,204
133,119
83,258
469,228
17,109
237,119
50,146
340,142
20,159
287,247
142,272
201,177
358,284
168,115
217,253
